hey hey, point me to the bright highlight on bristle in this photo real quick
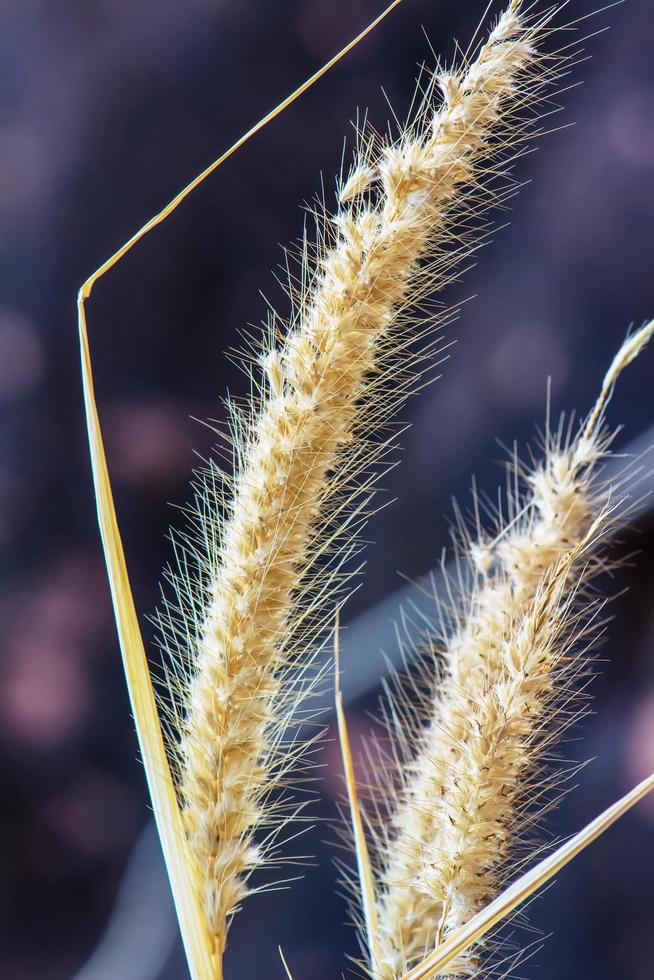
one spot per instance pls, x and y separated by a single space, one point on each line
267 555
513 655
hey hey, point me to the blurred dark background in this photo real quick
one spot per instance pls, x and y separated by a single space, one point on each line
107 107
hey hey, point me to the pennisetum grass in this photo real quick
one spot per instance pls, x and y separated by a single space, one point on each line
505 679
268 543
267 556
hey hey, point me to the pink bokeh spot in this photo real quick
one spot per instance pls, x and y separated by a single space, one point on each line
80 814
518 369
21 356
629 127
52 631
148 443
45 695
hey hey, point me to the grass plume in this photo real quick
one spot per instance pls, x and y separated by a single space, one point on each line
505 680
265 559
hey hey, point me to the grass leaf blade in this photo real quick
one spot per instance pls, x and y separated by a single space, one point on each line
364 866
197 942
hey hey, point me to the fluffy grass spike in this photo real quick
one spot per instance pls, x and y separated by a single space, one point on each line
507 678
266 557
526 886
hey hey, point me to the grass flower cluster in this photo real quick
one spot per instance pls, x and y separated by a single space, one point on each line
511 653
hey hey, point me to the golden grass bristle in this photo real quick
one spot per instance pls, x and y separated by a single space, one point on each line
266 557
287 969
508 675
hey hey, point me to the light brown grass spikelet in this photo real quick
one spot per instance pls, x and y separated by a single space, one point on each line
263 564
509 670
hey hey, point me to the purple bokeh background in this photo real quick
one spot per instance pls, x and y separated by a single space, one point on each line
106 109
